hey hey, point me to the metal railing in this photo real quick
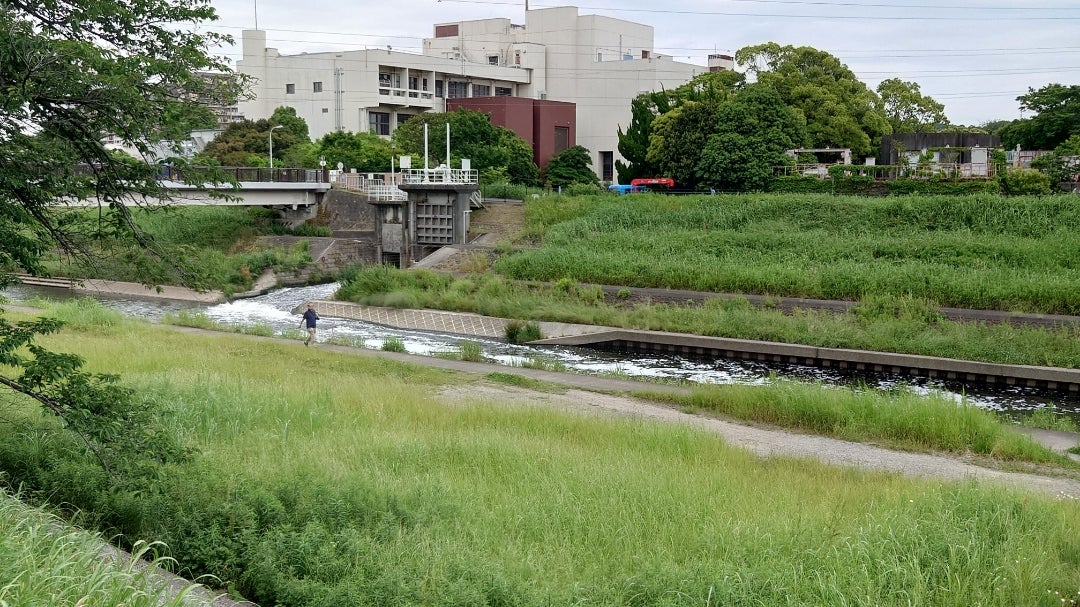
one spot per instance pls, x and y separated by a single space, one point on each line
167 172
893 172
440 175
386 192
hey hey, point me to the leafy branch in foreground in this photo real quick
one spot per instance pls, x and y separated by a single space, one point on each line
113 423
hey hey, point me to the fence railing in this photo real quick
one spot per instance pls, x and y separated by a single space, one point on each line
892 172
440 175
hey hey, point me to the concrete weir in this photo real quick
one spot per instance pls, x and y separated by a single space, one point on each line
626 340
993 374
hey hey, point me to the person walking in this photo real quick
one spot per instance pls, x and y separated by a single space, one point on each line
310 317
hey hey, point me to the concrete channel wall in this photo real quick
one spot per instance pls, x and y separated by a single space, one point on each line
698 346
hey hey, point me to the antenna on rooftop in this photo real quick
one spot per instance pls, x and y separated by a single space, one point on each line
257 13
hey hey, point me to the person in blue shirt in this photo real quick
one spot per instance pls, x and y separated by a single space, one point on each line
309 319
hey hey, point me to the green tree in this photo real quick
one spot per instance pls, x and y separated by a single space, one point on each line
247 143
678 140
472 136
1057 117
755 130
634 142
1063 164
570 166
242 143
290 123
72 73
365 152
840 111
908 110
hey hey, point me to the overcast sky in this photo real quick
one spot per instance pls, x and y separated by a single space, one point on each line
975 57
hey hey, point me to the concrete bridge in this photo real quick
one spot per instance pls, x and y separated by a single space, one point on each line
296 193
293 188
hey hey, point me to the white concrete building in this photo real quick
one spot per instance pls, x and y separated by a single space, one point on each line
598 63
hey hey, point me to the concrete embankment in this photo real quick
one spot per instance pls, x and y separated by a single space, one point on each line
610 338
93 286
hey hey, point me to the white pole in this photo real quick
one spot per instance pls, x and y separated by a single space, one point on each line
425 152
448 146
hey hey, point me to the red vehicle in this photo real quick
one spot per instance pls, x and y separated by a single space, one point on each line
653 181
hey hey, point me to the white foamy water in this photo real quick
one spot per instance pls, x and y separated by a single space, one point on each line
276 310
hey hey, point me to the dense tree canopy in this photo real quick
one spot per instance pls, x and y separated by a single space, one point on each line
472 136
72 73
1057 117
908 110
755 129
840 111
247 143
678 140
634 142
365 152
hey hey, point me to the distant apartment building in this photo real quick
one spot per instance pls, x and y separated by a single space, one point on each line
597 63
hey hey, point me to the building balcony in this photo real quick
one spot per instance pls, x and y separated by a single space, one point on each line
406 97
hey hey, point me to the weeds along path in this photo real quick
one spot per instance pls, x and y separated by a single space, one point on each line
768 442
605 396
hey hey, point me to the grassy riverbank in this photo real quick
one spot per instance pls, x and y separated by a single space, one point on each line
880 323
210 247
985 252
44 563
320 478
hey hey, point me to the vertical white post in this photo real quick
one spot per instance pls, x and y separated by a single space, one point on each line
448 146
425 152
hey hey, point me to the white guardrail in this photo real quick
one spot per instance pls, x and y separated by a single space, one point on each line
439 175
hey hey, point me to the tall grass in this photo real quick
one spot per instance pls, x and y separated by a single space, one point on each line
985 251
331 479
902 420
900 324
206 247
44 563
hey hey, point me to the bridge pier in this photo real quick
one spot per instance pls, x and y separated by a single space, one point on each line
294 215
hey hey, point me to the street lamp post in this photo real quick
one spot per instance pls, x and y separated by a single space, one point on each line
271 135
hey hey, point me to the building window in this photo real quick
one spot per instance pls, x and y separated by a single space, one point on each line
439 88
481 90
425 84
401 118
316 87
607 166
517 58
457 89
384 79
379 122
326 110
503 91
290 89
562 138
446 31
493 60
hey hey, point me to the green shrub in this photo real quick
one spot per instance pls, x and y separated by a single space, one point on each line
471 351
519 332
1022 182
393 344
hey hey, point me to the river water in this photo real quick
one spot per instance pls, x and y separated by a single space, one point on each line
275 310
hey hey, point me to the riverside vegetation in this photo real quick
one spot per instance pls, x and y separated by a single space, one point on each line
42 562
210 247
319 478
898 258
